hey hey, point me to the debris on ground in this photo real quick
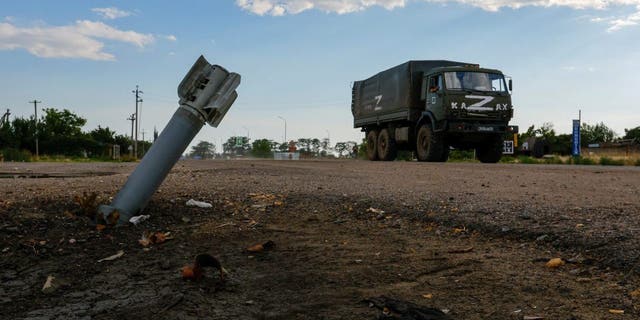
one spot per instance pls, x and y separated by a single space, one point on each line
199 204
52 284
113 257
88 203
616 311
404 310
463 250
137 219
149 238
554 263
269 245
196 271
48 284
375 210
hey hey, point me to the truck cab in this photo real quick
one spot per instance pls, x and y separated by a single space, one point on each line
469 107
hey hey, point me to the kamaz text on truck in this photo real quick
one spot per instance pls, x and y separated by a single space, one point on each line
430 106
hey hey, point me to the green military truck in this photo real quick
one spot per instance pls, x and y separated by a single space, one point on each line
429 106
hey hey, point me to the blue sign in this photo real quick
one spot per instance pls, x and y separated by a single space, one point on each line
575 150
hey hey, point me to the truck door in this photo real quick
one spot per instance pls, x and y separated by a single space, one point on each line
434 94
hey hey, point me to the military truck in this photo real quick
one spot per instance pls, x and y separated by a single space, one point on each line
429 106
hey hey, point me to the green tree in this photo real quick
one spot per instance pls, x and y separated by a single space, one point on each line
60 132
262 148
60 123
598 133
103 135
203 150
236 145
632 133
345 149
23 134
124 142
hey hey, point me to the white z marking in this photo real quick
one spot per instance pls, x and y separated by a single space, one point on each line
378 99
478 106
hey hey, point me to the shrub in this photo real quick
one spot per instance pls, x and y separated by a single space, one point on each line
553 160
461 155
10 154
527 160
637 163
508 159
605 161
582 160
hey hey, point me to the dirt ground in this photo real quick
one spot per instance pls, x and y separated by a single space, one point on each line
472 240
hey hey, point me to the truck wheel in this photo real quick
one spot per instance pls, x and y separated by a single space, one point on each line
429 145
490 152
372 145
387 150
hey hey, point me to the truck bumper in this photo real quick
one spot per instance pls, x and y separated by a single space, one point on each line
488 128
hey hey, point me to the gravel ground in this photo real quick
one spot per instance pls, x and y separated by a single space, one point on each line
470 239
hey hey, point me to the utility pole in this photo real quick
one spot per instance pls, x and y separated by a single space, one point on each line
135 141
143 132
5 117
285 129
35 122
131 118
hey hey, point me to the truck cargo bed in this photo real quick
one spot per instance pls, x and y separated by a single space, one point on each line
393 94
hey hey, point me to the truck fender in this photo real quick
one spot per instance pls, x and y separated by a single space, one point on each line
426 117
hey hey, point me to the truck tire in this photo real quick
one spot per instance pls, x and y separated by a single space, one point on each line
372 145
491 151
429 145
387 150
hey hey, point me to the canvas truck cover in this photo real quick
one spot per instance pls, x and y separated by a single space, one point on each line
393 91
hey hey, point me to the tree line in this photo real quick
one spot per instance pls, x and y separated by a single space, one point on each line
59 132
561 144
242 146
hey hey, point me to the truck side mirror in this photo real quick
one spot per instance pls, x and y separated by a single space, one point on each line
423 91
510 85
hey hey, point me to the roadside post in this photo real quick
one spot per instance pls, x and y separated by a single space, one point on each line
206 93
575 148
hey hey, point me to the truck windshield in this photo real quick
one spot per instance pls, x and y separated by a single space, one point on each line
477 81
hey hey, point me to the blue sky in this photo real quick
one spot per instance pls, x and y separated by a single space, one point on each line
298 58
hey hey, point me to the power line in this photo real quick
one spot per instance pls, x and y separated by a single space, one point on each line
35 122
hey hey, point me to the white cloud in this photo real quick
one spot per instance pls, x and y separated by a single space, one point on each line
284 7
79 40
630 20
171 37
111 13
